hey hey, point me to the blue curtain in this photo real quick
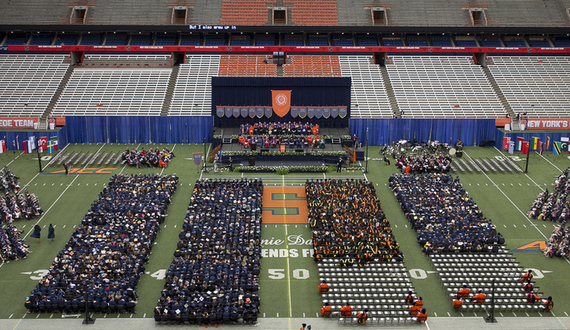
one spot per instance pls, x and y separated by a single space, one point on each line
138 129
384 131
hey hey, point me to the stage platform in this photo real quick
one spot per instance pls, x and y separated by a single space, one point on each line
269 156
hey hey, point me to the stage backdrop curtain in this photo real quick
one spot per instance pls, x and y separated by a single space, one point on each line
256 91
384 131
138 129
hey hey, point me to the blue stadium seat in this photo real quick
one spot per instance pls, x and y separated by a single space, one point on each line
41 40
342 42
66 41
165 41
265 42
90 41
140 41
392 42
440 41
562 42
465 43
15 40
317 41
293 42
215 42
417 43
539 43
490 43
367 42
190 41
240 42
116 40
515 43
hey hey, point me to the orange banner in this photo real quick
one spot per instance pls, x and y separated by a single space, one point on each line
281 102
26 123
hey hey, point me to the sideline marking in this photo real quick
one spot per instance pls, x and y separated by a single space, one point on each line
287 247
549 162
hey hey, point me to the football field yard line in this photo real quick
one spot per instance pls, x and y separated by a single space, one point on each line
549 162
20 154
524 215
504 194
286 247
58 198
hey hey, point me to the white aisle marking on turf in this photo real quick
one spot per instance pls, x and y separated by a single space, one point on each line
287 247
20 154
58 198
53 159
556 167
521 212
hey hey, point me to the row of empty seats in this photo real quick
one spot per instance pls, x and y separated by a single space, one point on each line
28 83
305 12
537 85
246 65
246 12
442 87
368 95
312 65
486 272
113 92
193 90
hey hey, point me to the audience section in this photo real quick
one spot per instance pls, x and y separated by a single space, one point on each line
357 255
443 215
246 12
102 262
214 276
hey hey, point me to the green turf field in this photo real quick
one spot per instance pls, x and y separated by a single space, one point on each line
289 278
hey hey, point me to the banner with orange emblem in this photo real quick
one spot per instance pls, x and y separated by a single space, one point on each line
281 102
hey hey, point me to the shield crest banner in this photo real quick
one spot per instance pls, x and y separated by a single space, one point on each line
228 112
294 112
334 112
326 112
259 112
342 111
318 112
219 111
281 102
236 111
311 112
244 112
268 112
303 112
251 112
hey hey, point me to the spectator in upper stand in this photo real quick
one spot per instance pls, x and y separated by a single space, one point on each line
323 287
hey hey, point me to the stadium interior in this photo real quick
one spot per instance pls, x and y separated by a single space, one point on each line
185 86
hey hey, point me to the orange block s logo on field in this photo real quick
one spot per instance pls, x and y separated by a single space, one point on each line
281 102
